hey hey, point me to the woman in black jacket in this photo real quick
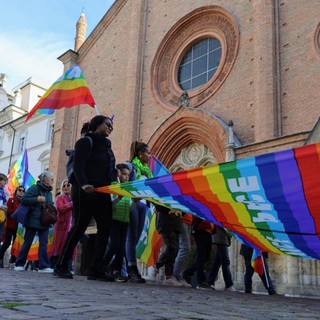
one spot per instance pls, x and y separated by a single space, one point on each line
94 166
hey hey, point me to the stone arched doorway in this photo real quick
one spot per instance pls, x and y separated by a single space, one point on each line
196 129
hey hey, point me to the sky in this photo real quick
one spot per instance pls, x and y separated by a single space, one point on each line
34 33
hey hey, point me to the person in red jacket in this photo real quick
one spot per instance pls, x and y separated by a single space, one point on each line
11 225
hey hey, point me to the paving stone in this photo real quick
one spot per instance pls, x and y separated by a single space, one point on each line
46 297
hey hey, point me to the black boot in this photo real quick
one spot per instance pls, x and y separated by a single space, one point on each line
134 275
1 263
99 274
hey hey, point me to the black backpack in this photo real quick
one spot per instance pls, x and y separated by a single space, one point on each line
69 165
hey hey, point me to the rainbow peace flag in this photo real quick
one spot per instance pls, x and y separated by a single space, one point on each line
157 168
271 201
19 175
256 262
69 90
150 242
33 252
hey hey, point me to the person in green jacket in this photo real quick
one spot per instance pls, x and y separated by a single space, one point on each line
34 197
121 207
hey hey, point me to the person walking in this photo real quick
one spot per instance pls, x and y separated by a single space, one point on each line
246 252
184 248
139 159
121 207
63 225
3 202
34 199
94 166
202 231
11 225
169 227
222 241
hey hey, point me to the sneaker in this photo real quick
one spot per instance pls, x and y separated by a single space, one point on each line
45 270
135 276
11 266
19 268
184 283
172 282
272 292
119 278
212 286
231 289
203 285
62 273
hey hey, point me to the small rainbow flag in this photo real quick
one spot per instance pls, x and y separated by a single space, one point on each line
157 168
150 241
19 175
256 262
69 90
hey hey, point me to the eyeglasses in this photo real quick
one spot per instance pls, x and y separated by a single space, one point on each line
66 185
21 190
110 126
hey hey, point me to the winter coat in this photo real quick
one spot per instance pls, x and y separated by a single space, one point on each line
97 169
12 204
221 236
30 198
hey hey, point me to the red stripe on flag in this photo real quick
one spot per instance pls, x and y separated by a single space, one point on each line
309 165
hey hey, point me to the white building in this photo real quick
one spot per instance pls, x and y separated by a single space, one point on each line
16 135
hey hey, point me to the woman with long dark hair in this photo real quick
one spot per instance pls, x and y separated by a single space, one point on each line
94 166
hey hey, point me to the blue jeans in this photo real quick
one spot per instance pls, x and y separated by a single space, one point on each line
184 249
42 251
136 224
221 258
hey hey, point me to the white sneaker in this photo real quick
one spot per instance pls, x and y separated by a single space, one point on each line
45 270
185 283
172 282
231 289
18 269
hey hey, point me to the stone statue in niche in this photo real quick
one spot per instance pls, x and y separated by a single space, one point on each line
184 100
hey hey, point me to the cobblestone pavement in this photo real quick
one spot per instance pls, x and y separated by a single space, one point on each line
32 295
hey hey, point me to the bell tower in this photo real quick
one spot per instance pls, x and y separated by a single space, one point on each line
81 32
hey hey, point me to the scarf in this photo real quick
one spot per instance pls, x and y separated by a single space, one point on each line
142 169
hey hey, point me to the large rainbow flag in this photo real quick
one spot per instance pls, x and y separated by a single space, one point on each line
272 200
69 90
19 175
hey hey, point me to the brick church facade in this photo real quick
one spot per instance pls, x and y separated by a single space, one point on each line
251 69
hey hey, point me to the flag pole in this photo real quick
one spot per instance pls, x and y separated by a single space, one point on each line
97 109
265 271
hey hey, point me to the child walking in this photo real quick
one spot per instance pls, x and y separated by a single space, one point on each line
121 207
